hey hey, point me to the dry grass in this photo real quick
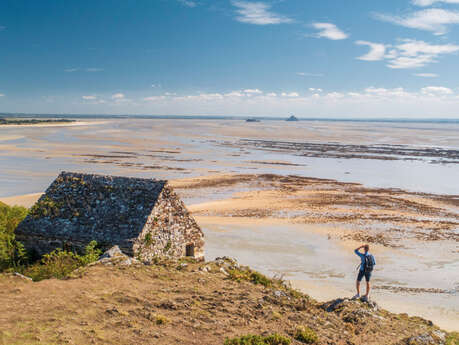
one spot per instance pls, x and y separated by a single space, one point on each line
162 304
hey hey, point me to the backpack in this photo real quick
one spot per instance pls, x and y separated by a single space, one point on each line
369 263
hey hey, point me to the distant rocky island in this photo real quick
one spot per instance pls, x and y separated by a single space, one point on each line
252 120
15 121
292 118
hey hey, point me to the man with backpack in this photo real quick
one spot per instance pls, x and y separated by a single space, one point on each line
366 267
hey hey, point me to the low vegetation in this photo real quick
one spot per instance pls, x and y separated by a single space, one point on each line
12 253
306 335
13 257
453 338
240 274
60 263
250 339
161 319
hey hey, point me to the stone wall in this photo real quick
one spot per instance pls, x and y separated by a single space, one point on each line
169 229
78 208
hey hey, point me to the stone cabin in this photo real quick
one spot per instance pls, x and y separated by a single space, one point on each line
144 217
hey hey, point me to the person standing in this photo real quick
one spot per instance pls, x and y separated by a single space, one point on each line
367 263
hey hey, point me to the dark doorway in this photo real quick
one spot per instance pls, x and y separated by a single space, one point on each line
190 250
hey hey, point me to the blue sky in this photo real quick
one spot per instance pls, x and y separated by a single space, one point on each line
392 58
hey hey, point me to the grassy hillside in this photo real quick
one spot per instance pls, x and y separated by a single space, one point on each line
191 303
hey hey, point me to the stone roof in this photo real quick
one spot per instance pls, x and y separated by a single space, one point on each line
83 207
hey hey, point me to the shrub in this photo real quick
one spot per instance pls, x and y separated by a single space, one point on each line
59 263
250 339
12 253
249 275
306 335
452 338
161 319
91 253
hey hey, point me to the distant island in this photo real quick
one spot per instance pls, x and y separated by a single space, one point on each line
252 120
5 121
292 118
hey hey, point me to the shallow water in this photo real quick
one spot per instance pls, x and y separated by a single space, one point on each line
30 157
325 269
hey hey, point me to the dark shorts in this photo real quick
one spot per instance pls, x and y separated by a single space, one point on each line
366 274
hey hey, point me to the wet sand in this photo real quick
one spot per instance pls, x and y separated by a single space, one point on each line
31 156
284 225
276 209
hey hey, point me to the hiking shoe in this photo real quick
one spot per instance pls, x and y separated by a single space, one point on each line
364 299
356 297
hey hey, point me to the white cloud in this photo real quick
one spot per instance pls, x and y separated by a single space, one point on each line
374 101
118 96
413 53
376 53
330 31
426 75
407 53
290 94
202 97
307 74
258 13
2 95
383 92
234 94
425 3
312 89
435 20
334 95
436 91
89 97
70 70
188 3
253 91
154 98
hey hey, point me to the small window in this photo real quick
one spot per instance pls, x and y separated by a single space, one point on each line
190 250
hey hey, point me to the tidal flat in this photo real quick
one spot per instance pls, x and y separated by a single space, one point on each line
286 198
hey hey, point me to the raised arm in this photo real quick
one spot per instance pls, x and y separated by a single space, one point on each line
357 251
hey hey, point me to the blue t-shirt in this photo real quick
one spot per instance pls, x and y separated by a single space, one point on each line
362 259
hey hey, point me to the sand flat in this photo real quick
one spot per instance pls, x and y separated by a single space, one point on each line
26 200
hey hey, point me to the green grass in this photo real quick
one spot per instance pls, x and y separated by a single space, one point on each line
250 339
240 274
452 338
59 263
12 252
306 335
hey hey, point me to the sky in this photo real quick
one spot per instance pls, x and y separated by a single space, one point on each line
327 58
